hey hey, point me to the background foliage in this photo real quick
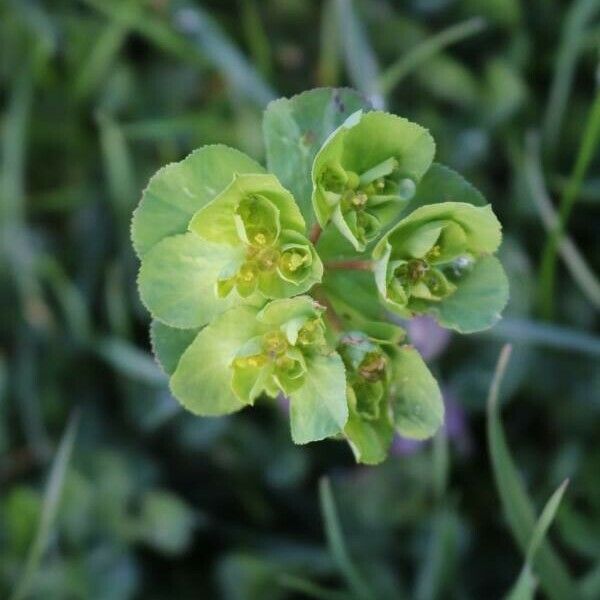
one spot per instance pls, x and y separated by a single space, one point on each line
140 499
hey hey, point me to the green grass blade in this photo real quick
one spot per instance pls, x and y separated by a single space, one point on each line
337 545
517 506
128 360
361 62
118 166
257 38
587 150
308 589
330 45
580 14
154 29
525 585
207 36
439 565
52 497
395 73
104 52
580 271
545 520
545 335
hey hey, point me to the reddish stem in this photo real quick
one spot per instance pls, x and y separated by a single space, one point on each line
350 265
334 319
315 233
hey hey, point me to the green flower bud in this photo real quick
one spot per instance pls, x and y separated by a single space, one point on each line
366 171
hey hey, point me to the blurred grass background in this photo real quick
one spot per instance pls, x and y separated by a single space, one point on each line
143 500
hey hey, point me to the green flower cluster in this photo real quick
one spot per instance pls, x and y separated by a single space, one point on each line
249 301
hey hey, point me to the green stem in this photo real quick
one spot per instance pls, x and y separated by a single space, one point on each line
584 157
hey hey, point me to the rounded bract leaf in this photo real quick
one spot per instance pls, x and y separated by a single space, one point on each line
169 343
479 299
178 276
442 184
178 190
294 130
369 439
483 231
202 380
416 399
319 409
217 220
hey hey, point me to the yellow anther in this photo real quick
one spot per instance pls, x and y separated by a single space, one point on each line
292 261
380 184
359 199
260 239
275 343
247 273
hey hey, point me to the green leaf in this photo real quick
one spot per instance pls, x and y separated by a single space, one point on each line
216 221
294 130
177 191
318 409
369 439
479 299
202 380
168 344
442 184
415 396
517 506
178 276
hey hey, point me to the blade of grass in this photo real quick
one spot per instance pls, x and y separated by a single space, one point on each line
590 583
207 36
554 337
309 589
525 585
337 545
257 38
330 44
516 504
439 564
574 261
154 29
396 72
589 143
106 48
118 168
577 19
50 506
360 59
129 361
